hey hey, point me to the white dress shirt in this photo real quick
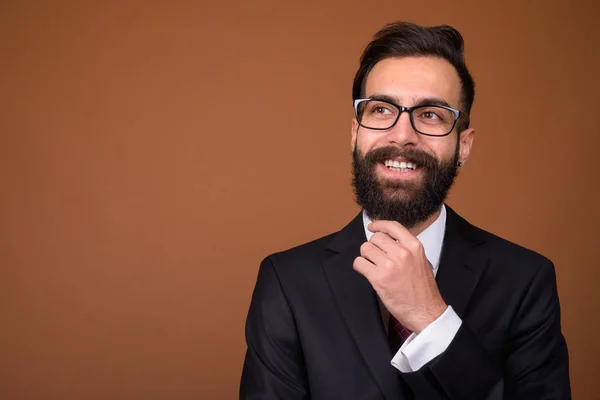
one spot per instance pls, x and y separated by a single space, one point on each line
419 349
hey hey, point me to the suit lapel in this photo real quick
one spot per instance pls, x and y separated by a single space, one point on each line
358 304
461 265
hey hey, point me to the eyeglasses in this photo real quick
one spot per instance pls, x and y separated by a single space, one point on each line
429 120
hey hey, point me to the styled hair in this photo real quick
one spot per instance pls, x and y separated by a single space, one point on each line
406 39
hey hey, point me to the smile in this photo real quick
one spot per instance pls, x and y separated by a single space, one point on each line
399 166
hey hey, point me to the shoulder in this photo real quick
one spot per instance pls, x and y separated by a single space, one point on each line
351 235
505 257
301 255
296 271
497 246
504 249
306 260
506 271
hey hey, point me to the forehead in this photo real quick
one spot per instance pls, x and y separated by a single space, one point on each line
411 78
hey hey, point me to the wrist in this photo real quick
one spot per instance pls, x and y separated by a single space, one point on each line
431 314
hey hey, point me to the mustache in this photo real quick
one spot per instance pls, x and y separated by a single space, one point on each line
419 157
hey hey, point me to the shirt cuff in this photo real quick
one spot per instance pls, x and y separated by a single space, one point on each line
418 350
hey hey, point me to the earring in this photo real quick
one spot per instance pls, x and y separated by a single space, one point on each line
459 164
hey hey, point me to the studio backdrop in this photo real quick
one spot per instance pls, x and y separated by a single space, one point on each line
152 153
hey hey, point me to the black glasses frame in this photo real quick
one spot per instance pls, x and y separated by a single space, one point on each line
457 115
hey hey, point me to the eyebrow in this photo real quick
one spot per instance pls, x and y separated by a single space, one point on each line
432 101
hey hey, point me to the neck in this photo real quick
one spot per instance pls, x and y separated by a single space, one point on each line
420 227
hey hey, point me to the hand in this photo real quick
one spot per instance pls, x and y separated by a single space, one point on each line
394 262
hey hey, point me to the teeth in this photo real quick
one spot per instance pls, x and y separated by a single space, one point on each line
399 165
399 169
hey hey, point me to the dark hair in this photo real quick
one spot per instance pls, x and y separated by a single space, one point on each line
404 39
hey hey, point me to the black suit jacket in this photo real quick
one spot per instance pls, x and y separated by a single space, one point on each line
314 329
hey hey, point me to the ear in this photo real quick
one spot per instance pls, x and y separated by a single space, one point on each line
354 133
466 142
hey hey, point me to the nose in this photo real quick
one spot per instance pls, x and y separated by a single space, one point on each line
403 134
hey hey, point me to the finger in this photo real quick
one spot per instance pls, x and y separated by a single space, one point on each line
363 266
384 241
394 229
373 253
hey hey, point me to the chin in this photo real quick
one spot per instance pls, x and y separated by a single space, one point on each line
399 194
401 189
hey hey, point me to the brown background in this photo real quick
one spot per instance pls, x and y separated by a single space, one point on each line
153 153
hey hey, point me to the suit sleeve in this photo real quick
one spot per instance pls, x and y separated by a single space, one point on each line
274 364
535 366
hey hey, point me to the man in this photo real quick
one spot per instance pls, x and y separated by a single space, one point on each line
408 301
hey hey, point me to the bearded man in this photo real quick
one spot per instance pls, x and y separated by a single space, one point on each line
409 300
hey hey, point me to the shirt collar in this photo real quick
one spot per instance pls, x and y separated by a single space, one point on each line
431 238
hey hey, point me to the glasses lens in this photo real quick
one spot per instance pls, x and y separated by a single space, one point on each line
433 120
376 114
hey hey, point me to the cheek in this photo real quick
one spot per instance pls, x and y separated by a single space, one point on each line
442 148
367 141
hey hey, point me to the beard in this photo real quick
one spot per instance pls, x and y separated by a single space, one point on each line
408 203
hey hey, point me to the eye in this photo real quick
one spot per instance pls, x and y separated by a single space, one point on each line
379 109
429 115
433 115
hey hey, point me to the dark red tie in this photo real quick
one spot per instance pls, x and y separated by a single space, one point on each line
397 334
